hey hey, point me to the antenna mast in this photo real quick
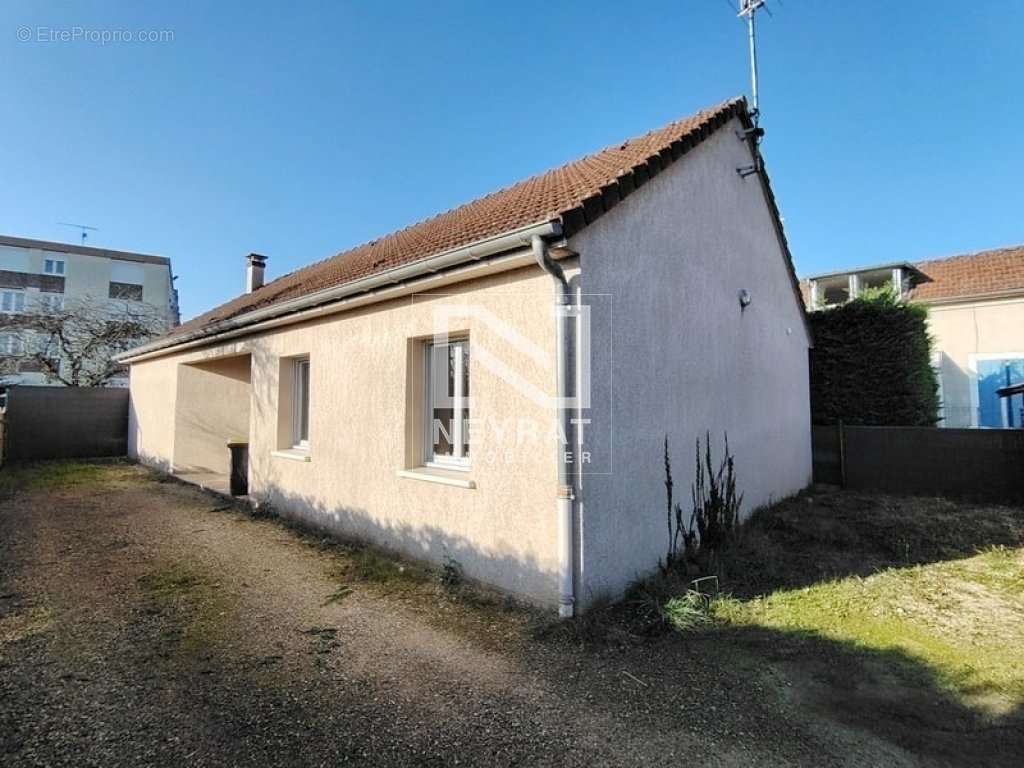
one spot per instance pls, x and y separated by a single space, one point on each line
82 227
748 10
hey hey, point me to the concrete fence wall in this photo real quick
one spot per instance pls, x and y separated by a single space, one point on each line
65 423
974 463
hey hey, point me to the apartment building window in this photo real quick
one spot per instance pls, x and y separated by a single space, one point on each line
51 302
53 266
12 301
300 404
45 345
125 291
447 407
11 345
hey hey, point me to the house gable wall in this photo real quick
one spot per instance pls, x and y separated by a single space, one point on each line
673 354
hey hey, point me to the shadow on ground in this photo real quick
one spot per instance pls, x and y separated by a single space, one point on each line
796 696
816 537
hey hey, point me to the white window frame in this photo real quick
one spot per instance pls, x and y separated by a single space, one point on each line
299 365
12 345
16 305
457 460
52 302
58 267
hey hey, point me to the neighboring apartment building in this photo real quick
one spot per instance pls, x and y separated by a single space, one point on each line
496 384
976 317
44 276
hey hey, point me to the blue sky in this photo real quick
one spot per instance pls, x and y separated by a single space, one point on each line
299 129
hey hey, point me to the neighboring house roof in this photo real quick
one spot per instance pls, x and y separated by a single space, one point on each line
854 270
973 274
572 196
86 250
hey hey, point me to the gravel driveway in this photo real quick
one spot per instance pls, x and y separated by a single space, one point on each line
142 623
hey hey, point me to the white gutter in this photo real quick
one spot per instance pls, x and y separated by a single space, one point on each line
234 326
564 497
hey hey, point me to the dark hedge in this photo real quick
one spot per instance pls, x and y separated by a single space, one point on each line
871 364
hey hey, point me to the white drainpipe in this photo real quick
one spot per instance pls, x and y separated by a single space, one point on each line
565 496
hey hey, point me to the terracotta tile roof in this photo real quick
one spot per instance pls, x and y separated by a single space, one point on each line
574 194
973 274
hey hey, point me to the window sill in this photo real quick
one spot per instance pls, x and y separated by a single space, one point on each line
453 478
292 454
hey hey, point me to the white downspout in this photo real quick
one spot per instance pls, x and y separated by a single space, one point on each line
565 496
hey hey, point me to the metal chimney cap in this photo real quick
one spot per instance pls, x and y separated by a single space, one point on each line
256 258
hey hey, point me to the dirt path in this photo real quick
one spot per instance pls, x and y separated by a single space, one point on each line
141 625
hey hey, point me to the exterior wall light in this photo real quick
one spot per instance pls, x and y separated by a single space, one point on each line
744 298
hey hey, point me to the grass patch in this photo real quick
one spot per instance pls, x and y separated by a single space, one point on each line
60 475
367 565
192 602
964 619
18 625
689 610
929 592
932 580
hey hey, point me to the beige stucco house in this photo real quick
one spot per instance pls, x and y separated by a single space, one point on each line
975 316
495 384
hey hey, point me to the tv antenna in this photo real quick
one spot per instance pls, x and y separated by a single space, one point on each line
748 10
85 229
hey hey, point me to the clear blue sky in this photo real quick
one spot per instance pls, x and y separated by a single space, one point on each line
299 129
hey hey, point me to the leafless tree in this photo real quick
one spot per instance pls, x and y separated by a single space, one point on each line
75 345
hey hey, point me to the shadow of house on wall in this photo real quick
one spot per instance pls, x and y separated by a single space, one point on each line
503 567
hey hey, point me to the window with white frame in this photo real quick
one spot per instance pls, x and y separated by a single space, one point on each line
11 344
51 302
300 404
12 301
53 266
447 406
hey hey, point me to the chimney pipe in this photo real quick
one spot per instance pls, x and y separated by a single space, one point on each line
255 266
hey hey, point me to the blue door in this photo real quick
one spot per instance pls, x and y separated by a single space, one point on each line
993 374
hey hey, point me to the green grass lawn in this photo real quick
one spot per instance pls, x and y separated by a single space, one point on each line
939 582
962 618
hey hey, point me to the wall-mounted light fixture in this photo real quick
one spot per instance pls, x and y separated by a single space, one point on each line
745 298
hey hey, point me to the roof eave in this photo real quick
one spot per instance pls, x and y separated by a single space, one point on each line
870 268
968 298
476 251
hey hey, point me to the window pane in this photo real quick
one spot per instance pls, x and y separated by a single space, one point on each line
126 291
442 387
448 409
465 395
60 267
304 400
